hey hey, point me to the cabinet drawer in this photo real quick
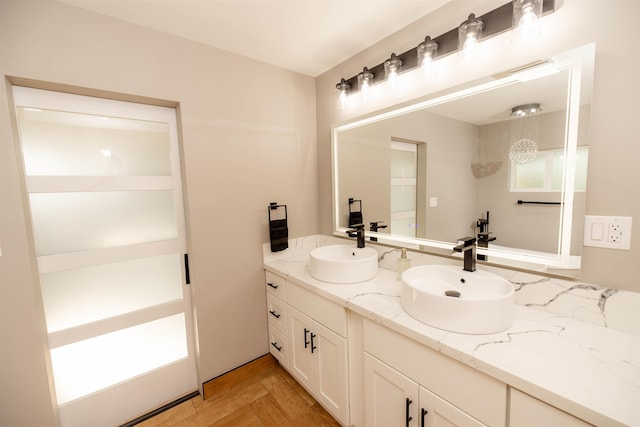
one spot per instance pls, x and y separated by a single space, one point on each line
279 346
277 313
328 313
275 284
481 396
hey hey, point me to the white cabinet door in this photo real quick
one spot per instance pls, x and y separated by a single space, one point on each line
330 370
318 360
300 356
526 411
391 399
436 412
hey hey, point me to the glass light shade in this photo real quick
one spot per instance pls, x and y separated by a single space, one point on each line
469 35
392 69
526 20
365 79
427 51
343 88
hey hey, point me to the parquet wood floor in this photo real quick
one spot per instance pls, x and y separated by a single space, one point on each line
260 393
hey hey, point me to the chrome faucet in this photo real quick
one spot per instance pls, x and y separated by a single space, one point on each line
357 231
468 246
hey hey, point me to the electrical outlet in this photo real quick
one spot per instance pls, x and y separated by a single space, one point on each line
615 233
612 232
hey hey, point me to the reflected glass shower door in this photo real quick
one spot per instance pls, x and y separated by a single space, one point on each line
105 194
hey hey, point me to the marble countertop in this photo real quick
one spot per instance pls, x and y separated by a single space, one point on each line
590 371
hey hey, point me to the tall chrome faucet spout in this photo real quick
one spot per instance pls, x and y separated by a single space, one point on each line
467 245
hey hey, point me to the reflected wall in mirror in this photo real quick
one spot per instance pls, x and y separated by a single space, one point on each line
435 171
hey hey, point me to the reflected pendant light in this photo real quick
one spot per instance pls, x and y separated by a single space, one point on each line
524 148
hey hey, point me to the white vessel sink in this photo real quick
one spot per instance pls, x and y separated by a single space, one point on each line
343 264
449 298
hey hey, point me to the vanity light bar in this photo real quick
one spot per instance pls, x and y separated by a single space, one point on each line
495 22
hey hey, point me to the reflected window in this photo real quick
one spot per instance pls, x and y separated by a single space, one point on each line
544 173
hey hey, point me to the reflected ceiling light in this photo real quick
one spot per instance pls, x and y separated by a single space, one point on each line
365 79
524 127
526 20
469 35
343 88
426 54
392 69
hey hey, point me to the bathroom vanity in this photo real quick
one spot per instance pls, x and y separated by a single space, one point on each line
369 363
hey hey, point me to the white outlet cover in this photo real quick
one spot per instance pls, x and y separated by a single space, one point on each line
613 232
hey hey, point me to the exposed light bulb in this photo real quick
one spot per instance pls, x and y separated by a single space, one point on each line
364 89
471 48
469 35
342 100
528 17
426 55
364 82
392 70
392 79
426 63
343 95
526 22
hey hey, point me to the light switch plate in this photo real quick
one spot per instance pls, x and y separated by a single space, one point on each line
612 232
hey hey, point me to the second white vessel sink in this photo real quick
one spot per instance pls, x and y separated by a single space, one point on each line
449 298
343 263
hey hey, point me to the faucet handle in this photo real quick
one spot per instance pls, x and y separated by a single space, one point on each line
466 241
355 230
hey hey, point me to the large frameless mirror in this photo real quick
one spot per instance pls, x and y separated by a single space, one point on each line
503 159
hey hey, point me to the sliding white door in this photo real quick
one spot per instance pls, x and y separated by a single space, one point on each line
103 182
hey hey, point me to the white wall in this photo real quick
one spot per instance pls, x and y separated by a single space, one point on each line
249 138
613 176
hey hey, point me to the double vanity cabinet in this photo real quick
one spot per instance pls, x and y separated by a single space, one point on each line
308 336
367 374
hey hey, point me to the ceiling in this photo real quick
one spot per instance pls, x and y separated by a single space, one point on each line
305 36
